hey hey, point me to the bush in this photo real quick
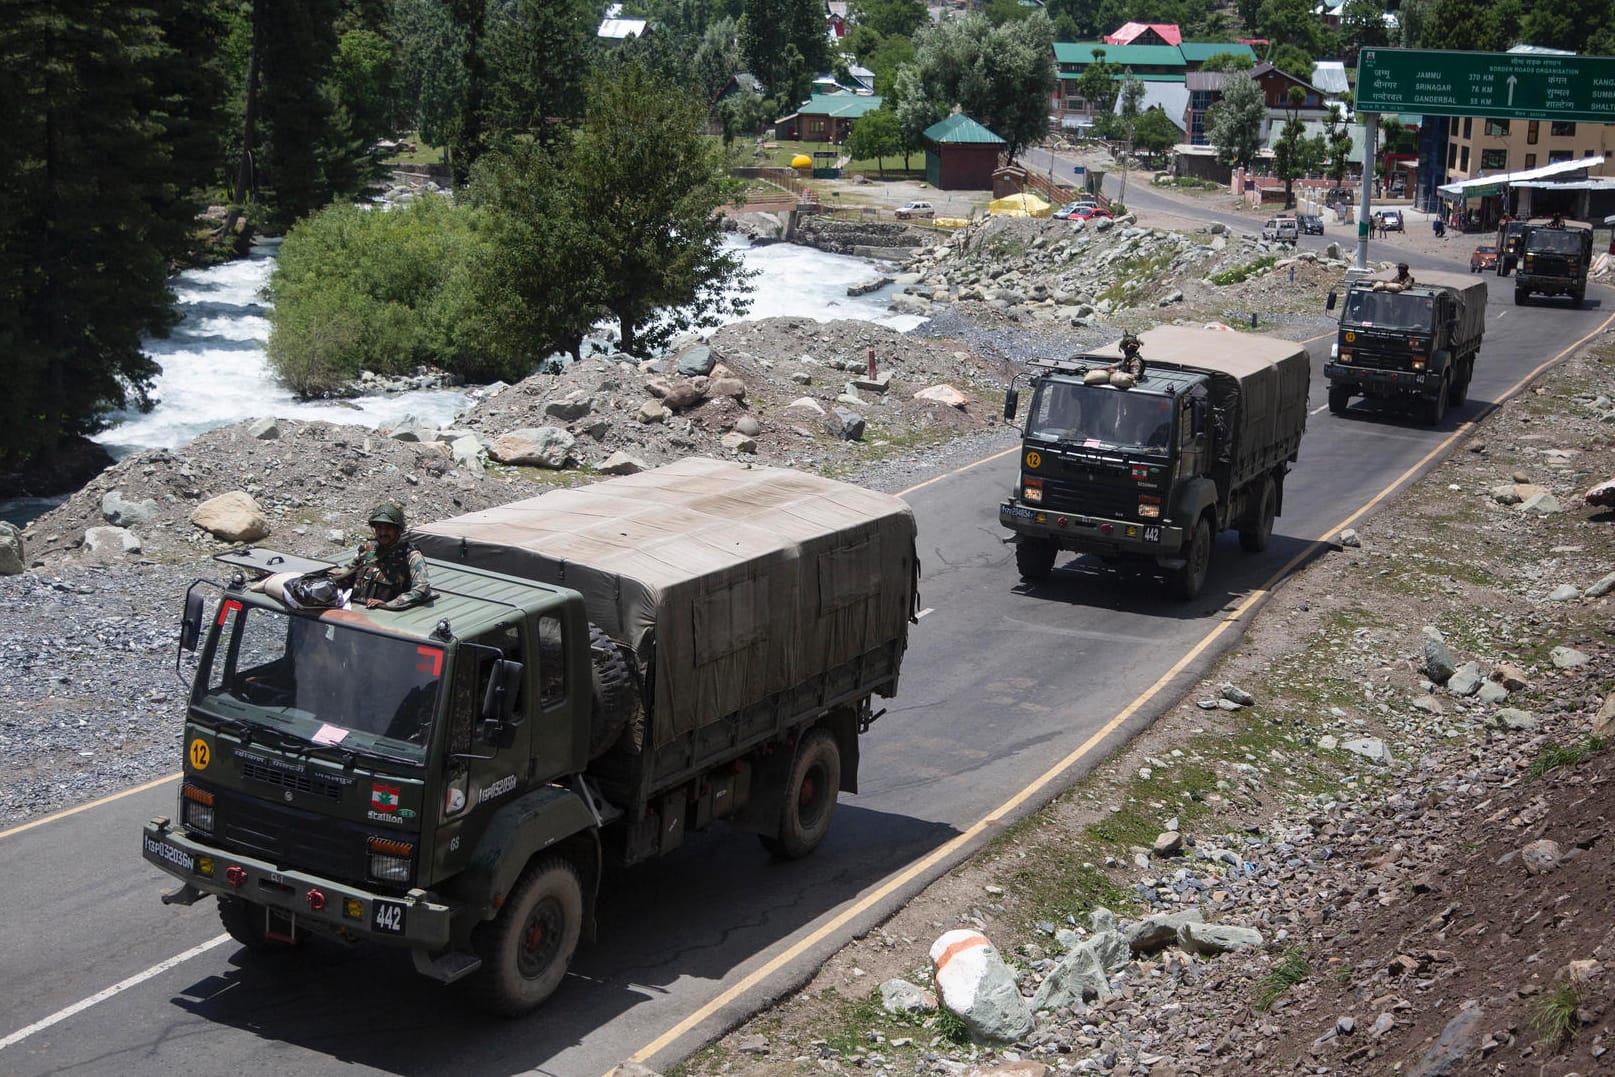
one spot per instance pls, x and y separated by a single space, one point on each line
359 290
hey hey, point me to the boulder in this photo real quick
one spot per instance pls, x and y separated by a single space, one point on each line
806 403
120 511
686 394
540 446
845 424
1370 748
11 553
264 429
1438 663
621 463
748 425
1465 680
233 517
103 542
1154 932
1541 856
1078 977
696 360
975 985
652 411
1167 843
731 387
1602 494
1566 658
571 407
1601 588
735 441
943 394
900 996
1510 676
1565 592
1603 721
1514 718
1492 692
1543 504
467 452
1208 939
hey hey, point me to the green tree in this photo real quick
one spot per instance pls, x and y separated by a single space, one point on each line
1293 60
717 58
1228 61
98 196
1001 76
647 182
1458 24
1098 86
1362 26
915 107
1292 22
1129 100
430 63
536 54
1584 26
1337 145
785 44
892 53
889 18
1289 154
876 135
1155 133
1236 121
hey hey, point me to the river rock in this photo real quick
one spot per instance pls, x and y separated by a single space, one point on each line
976 986
696 360
1438 662
900 996
11 554
101 542
232 516
652 411
120 511
265 429
748 425
1566 658
540 446
1154 932
622 463
1465 680
845 424
1208 939
574 405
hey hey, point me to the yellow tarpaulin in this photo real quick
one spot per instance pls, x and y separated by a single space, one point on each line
1020 205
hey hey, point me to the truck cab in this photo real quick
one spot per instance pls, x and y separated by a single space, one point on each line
1554 260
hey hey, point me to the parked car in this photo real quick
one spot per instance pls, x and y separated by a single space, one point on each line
915 210
1484 260
1388 219
1069 208
1311 224
1281 229
1088 213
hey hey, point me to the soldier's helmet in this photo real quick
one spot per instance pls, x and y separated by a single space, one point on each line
387 513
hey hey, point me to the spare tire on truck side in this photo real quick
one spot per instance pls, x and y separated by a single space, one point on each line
615 696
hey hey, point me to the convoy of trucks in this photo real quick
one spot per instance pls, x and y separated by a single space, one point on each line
1413 343
1146 453
601 670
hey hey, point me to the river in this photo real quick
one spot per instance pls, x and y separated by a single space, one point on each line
215 372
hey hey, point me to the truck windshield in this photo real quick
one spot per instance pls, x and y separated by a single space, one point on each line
329 684
1101 415
1554 240
1390 310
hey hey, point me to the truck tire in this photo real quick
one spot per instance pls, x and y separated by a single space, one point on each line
247 924
1034 557
1187 581
1578 297
1458 391
810 797
1521 295
615 703
1254 538
1435 409
528 947
1339 399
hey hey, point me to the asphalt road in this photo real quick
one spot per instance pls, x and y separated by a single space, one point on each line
1002 682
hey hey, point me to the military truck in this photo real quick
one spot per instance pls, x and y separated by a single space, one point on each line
1146 452
1415 344
600 671
1554 260
1508 245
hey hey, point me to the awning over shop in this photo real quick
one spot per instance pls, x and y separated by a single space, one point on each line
1481 186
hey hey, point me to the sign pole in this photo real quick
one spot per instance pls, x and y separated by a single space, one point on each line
1365 203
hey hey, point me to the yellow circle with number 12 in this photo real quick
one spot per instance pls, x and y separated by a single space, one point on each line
1034 459
200 754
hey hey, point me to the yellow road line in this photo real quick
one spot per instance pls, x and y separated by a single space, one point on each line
891 883
154 783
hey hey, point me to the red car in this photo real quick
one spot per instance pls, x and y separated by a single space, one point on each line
1085 213
1484 260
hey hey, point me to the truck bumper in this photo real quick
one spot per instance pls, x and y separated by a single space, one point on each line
1546 285
307 900
1372 382
1092 534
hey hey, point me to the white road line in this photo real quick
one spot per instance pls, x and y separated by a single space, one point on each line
117 988
923 612
1315 411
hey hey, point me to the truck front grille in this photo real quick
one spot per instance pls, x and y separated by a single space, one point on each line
293 838
308 782
1089 488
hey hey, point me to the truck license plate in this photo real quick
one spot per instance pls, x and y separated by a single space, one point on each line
387 917
1152 534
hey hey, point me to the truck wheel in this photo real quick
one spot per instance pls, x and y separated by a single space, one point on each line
614 704
1339 399
1254 539
1188 580
810 797
1521 295
527 948
248 924
1436 409
1034 557
1578 297
1458 391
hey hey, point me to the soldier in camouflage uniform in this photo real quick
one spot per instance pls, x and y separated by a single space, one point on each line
387 572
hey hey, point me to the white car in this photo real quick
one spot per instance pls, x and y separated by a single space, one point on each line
913 210
1281 229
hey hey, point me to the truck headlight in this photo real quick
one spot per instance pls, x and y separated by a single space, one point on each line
1344 356
1149 507
391 861
1418 362
196 808
1032 491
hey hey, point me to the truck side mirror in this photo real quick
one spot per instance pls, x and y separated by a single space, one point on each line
1012 402
190 625
1329 304
499 704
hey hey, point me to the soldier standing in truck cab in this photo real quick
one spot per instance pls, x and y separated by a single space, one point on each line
387 571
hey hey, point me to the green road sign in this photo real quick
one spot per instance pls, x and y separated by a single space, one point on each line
1502 84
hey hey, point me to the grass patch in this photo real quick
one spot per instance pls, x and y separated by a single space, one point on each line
1241 274
1553 1016
1554 755
1187 183
949 1027
1136 277
1291 968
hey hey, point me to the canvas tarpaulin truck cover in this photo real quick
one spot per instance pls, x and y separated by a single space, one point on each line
730 583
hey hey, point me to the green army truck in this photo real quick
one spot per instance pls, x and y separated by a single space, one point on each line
1148 456
1509 234
1554 260
1414 344
600 670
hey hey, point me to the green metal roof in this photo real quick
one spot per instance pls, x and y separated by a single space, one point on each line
1178 78
1197 52
844 105
1082 53
960 128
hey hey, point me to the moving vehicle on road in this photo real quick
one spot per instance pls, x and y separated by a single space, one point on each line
1509 234
1281 229
1145 450
915 211
599 671
1389 219
1415 344
1554 260
1483 259
1311 224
